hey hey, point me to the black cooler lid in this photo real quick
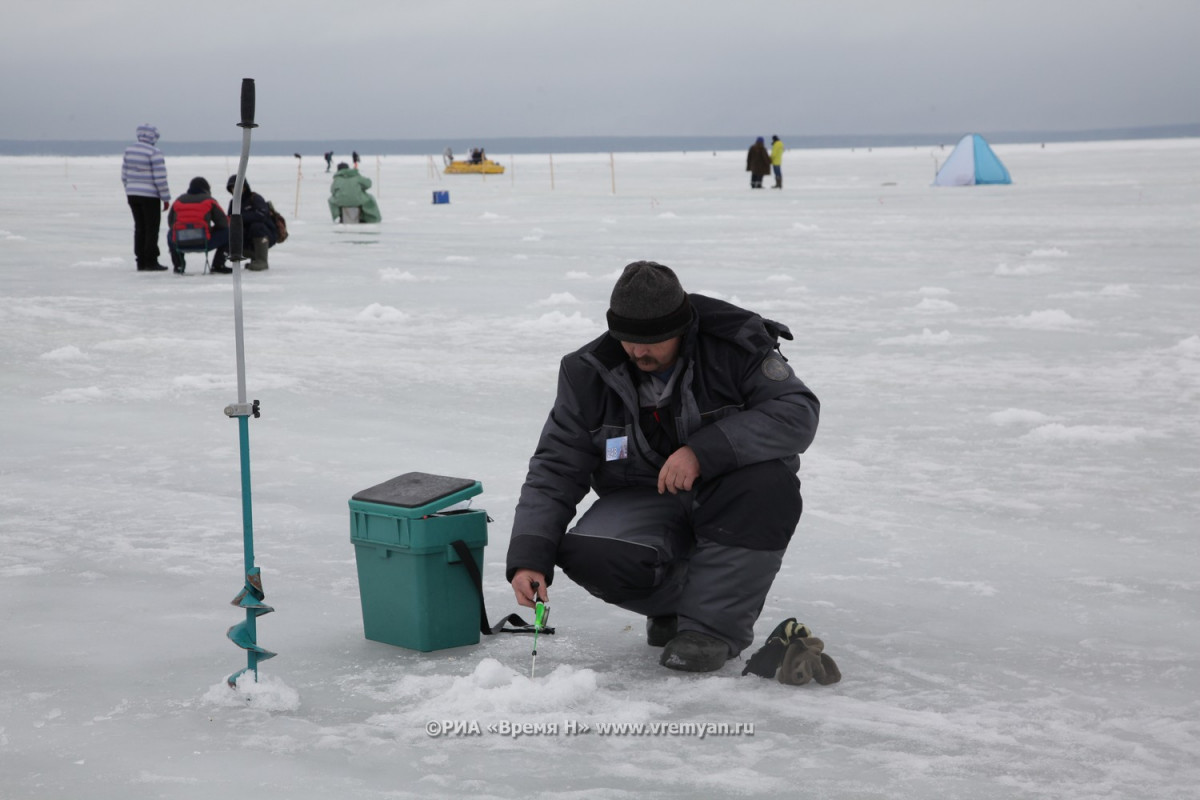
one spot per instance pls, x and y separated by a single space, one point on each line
415 489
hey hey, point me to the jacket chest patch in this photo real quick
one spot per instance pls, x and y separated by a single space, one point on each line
616 448
775 368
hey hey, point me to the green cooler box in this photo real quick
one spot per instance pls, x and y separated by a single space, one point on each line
415 590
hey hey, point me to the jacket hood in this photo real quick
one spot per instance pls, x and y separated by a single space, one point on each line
147 133
229 184
198 186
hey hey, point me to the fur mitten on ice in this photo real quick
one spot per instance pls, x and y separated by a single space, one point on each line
805 660
766 661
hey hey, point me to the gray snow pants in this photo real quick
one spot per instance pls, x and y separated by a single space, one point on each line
709 555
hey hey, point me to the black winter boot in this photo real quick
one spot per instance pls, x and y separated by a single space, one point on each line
258 254
218 264
660 630
692 651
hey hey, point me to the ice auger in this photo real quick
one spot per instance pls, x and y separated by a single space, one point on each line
244 634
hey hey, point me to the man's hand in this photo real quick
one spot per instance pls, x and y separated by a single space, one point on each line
522 584
166 205
680 472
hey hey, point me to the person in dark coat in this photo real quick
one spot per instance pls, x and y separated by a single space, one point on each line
259 233
758 163
687 422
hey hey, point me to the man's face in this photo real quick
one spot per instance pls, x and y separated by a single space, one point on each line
653 357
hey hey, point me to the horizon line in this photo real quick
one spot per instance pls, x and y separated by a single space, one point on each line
1193 126
582 143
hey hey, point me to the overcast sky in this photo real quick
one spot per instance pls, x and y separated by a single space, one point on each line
401 69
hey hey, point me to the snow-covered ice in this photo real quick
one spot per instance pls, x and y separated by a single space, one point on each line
999 540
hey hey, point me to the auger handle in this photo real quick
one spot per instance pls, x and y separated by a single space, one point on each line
247 104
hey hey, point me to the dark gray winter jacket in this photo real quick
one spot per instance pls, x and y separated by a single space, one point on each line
737 403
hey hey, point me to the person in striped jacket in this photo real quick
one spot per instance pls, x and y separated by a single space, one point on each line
144 173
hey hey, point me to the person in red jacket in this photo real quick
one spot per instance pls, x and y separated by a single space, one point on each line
196 222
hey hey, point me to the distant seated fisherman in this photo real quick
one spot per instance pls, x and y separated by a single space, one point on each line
349 190
196 223
687 422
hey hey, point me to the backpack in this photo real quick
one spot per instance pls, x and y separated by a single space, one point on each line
280 223
190 228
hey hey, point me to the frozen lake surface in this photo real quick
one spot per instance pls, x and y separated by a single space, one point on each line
999 541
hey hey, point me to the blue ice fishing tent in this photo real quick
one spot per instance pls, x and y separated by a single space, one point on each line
971 162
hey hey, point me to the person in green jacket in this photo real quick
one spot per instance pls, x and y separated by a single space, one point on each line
350 189
777 161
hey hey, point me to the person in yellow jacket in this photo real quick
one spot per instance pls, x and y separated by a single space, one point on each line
777 161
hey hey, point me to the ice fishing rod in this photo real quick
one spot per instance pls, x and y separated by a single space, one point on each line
541 613
244 634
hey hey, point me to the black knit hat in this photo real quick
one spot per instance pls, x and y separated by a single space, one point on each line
198 186
648 305
229 184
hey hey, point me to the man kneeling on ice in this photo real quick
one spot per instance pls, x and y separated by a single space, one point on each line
687 422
